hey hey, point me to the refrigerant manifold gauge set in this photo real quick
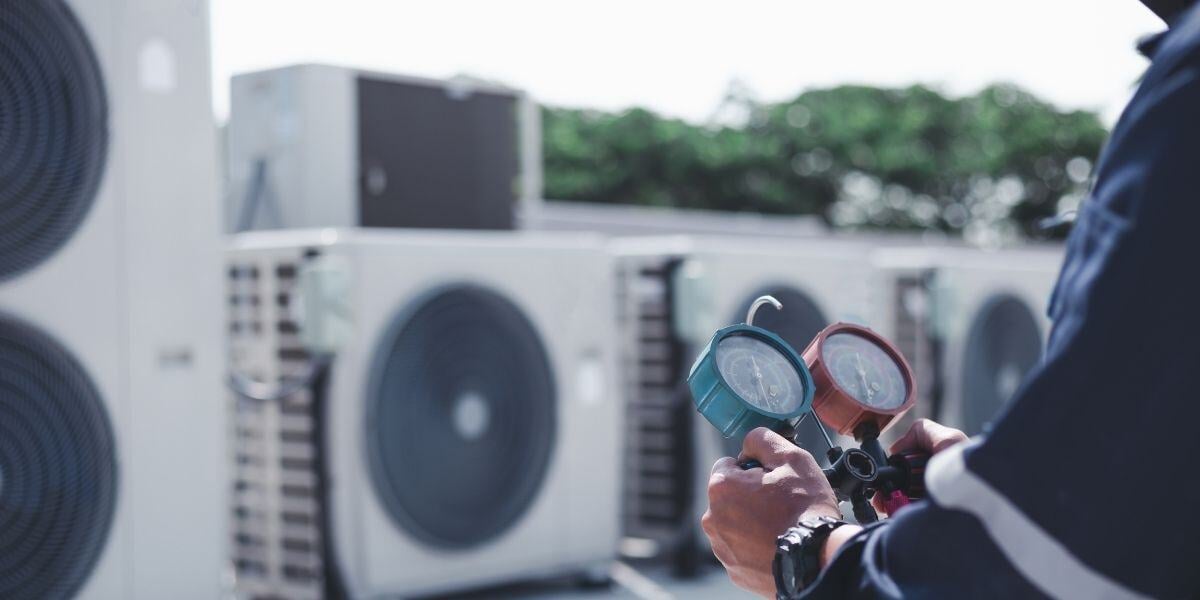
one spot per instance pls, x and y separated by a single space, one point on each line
855 381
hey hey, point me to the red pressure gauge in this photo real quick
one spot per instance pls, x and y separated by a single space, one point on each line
860 377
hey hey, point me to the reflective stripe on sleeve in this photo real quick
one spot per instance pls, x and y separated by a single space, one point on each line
1043 560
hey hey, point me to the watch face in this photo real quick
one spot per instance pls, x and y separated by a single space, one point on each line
865 371
760 374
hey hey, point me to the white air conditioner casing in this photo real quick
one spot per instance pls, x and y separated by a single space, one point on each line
937 299
712 282
905 278
835 275
132 296
1011 287
350 296
344 147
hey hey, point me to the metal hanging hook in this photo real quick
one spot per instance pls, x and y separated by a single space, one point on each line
761 300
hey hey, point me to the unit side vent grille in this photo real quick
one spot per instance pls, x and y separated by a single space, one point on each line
276 498
913 334
656 464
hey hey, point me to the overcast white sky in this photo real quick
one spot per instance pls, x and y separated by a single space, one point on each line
678 57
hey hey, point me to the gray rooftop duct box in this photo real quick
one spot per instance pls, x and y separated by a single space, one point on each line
323 146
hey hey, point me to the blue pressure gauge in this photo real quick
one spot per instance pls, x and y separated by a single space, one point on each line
748 377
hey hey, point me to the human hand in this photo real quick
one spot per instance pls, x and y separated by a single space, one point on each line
927 436
924 436
749 509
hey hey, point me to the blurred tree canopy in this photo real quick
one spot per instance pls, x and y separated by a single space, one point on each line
987 166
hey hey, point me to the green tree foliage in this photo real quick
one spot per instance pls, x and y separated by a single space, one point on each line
989 165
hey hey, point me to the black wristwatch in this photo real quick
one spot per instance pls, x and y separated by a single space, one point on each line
798 555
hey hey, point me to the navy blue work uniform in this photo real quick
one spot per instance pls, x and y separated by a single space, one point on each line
1087 486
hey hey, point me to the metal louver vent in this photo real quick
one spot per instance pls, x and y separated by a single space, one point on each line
58 470
913 334
53 131
657 440
462 377
1003 345
278 508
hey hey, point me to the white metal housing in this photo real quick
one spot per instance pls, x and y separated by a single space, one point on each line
836 274
344 297
968 283
714 279
134 296
935 296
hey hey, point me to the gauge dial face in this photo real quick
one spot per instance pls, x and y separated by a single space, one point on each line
865 371
760 374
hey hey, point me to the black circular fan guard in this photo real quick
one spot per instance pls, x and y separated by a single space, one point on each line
461 417
1003 344
53 131
798 323
58 472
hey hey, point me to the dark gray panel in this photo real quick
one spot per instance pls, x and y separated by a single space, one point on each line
427 159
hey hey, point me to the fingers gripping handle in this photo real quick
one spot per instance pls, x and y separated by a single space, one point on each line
912 464
786 430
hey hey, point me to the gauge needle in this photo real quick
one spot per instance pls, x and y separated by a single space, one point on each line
862 377
758 377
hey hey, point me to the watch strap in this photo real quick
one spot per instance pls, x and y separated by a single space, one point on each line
798 555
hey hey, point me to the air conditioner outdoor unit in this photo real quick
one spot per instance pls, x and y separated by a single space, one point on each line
711 283
325 146
990 313
972 322
110 309
905 282
444 415
818 282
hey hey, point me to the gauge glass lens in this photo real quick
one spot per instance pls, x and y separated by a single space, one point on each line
865 371
760 374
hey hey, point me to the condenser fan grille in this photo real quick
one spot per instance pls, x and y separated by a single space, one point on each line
58 472
798 323
461 417
1003 344
53 130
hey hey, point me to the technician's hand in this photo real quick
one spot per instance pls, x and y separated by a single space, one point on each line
923 436
749 509
927 436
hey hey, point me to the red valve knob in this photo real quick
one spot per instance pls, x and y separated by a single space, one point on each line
913 464
894 502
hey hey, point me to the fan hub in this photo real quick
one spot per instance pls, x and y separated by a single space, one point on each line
472 415
1008 379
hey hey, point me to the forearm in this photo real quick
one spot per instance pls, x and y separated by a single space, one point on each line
836 539
924 551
